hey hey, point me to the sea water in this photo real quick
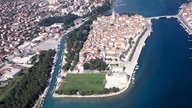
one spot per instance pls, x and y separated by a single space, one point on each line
164 77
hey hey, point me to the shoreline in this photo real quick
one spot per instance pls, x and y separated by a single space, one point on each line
130 71
183 23
91 96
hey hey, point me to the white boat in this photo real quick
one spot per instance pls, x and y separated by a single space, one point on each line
133 80
136 67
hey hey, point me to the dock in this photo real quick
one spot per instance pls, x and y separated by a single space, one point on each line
163 16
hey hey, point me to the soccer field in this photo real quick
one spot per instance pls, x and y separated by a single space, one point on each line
85 84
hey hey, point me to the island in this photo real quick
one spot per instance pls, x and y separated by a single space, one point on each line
101 49
108 58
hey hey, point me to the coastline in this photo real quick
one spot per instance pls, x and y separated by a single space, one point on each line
91 96
183 23
130 65
136 95
130 68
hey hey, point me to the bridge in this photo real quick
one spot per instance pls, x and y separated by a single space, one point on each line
164 16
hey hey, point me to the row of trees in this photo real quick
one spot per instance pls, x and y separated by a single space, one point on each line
136 44
76 38
67 20
33 83
97 63
74 42
74 91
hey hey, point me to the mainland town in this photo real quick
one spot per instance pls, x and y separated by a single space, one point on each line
22 37
101 51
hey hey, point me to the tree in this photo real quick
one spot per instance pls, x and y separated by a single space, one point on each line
23 94
86 66
76 58
66 66
67 20
97 63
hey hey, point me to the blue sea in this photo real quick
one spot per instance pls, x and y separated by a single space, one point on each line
164 77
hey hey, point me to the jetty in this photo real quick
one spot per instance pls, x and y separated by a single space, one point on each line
180 19
163 16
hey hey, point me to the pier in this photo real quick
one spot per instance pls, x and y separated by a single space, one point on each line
182 21
164 16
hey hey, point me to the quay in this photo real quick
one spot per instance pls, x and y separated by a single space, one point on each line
164 16
180 19
184 24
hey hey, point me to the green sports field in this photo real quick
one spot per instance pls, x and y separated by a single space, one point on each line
85 84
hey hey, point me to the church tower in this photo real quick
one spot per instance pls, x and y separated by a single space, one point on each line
113 16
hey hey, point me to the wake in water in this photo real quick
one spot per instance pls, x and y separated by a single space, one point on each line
119 3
